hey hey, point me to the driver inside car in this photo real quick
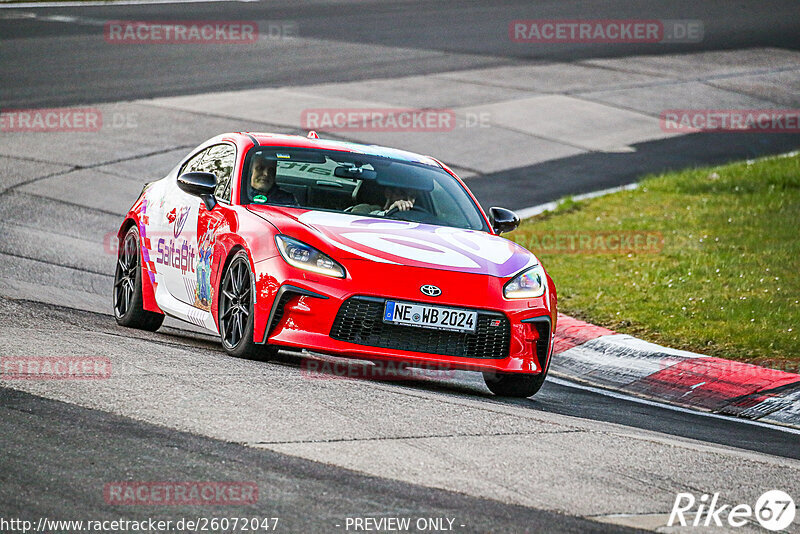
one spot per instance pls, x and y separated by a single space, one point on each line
396 199
262 182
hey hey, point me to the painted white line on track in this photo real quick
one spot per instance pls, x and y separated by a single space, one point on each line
62 19
622 396
524 213
28 5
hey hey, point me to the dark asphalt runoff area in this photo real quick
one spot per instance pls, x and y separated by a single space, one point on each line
45 61
56 457
419 37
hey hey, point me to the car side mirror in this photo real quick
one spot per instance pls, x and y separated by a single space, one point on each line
200 184
503 220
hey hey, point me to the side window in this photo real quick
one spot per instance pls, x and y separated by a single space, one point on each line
217 159
220 160
193 165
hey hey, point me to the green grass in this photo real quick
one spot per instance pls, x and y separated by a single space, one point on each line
726 281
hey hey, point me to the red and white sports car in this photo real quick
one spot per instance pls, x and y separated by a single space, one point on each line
280 241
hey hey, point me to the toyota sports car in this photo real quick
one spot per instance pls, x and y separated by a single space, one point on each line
281 241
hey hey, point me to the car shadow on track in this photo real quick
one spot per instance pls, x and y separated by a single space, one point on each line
315 366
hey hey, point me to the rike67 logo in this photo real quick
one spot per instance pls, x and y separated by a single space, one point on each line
774 510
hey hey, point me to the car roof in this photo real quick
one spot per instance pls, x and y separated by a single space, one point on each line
298 141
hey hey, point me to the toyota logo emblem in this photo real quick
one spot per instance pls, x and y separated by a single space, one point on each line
431 291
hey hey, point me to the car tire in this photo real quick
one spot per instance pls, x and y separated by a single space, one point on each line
517 385
127 292
235 311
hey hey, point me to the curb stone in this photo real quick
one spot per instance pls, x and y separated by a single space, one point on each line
601 357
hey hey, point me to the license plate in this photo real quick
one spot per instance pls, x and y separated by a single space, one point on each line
425 316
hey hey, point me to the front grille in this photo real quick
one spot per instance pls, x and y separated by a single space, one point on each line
360 321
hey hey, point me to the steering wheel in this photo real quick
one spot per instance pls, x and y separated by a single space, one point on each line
422 215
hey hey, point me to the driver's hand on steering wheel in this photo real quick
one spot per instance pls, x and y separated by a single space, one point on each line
401 205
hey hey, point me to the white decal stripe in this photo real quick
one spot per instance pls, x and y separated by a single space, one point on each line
359 253
196 317
191 290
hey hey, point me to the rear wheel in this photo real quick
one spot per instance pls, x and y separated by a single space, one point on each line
128 301
513 384
236 312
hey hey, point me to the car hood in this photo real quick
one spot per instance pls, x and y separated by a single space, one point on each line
407 243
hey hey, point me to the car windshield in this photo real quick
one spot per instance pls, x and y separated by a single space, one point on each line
359 184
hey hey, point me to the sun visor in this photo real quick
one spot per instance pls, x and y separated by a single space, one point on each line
406 177
298 156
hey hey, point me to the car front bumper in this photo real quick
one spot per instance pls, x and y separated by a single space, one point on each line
343 317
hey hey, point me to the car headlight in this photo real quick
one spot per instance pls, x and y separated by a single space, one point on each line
298 254
528 284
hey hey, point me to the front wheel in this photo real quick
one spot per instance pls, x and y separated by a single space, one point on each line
513 384
128 302
236 311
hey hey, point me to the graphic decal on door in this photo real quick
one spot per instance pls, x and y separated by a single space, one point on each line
203 291
180 221
148 264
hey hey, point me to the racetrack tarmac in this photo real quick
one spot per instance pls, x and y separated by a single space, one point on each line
566 451
88 449
322 449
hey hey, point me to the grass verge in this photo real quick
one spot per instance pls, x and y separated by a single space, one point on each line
715 268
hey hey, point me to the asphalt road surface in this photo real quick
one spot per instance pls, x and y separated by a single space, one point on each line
88 449
176 408
58 456
57 57
48 60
